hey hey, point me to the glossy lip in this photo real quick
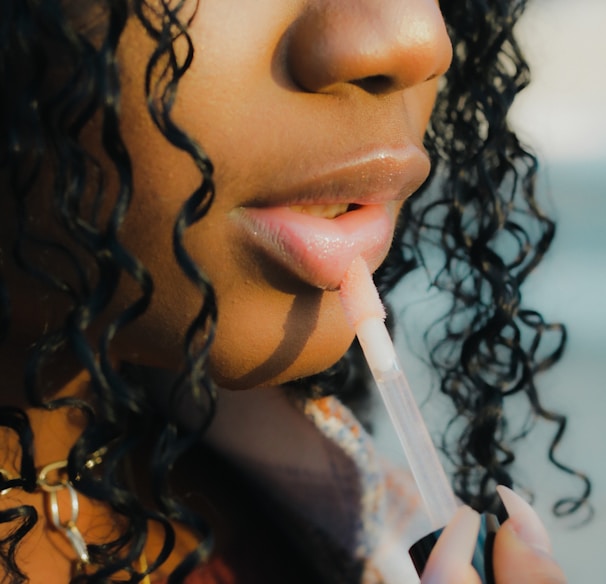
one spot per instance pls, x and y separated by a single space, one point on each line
380 176
319 250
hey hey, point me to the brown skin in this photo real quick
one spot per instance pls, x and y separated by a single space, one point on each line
268 82
278 92
261 126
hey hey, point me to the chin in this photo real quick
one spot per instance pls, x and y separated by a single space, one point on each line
318 355
266 337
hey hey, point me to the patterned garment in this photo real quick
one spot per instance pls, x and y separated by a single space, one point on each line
353 514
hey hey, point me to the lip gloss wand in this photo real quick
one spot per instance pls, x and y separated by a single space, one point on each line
366 314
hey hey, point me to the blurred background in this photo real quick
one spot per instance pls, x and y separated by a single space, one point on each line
563 116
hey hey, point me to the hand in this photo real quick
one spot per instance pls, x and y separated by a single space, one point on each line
522 551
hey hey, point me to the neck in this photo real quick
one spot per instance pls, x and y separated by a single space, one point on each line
54 431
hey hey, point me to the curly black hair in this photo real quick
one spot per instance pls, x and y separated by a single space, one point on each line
488 345
41 122
482 218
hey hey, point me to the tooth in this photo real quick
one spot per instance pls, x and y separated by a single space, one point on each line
326 211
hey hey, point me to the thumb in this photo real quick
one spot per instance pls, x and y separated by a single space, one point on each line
522 550
450 559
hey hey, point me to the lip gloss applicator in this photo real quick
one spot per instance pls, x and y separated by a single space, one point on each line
366 314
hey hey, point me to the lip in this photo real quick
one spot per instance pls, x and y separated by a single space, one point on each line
379 176
319 250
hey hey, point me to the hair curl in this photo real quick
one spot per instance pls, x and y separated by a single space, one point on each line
488 347
483 218
41 122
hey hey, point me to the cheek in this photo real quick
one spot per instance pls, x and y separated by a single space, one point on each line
422 100
264 335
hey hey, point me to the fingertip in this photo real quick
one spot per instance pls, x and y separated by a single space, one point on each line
524 520
522 550
517 562
450 560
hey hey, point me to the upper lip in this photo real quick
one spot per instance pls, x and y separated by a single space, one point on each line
377 176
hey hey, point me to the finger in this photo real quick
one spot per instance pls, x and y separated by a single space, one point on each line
450 560
522 550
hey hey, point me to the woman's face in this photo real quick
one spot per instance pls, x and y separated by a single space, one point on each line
313 114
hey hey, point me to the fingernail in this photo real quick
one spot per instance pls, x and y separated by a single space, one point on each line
524 520
455 547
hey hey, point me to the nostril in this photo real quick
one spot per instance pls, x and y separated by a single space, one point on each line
374 84
379 47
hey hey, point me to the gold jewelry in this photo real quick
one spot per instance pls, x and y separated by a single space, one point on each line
69 527
51 488
52 479
7 477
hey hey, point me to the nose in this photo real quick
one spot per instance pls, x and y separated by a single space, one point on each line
379 45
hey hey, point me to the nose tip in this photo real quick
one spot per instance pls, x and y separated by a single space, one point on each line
379 45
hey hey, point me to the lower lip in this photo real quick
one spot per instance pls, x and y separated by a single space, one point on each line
318 250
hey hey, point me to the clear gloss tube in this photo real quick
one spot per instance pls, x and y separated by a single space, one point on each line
434 487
